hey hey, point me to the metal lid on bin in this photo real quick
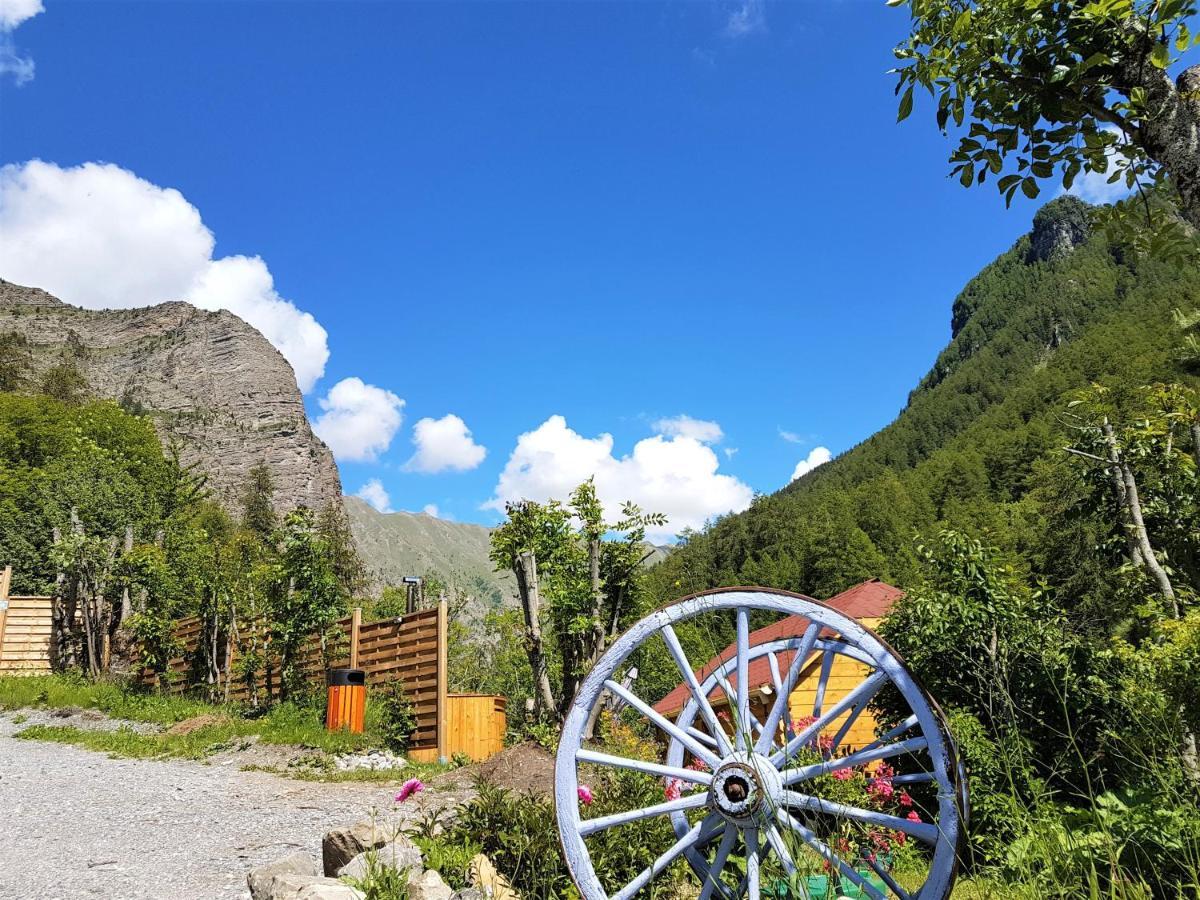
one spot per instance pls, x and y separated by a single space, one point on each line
339 677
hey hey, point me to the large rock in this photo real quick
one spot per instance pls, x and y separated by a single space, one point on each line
341 845
399 854
428 886
469 893
484 876
212 384
259 880
311 887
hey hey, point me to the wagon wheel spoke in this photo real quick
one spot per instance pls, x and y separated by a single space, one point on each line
591 826
649 768
742 737
887 878
712 880
783 691
854 760
689 678
664 724
822 683
861 694
752 863
907 725
828 854
922 831
775 839
643 878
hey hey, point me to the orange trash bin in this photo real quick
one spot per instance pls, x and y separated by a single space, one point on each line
347 700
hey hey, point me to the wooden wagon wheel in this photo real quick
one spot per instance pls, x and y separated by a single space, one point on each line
752 783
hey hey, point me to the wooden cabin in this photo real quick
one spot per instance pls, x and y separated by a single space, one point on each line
867 602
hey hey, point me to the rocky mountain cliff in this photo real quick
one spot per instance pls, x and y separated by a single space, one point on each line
215 387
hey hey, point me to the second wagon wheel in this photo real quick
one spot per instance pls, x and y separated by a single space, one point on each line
758 766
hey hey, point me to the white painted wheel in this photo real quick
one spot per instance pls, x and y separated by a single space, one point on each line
757 794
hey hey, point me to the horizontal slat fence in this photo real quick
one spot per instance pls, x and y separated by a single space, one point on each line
25 633
408 649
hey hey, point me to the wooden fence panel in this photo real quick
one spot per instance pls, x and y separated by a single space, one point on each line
25 636
410 649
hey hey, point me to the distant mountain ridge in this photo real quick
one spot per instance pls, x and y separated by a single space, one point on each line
214 386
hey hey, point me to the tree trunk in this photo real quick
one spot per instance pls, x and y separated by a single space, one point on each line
1170 133
1133 508
1196 445
531 604
1114 457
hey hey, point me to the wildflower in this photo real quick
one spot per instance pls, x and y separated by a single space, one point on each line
585 795
698 765
905 799
884 771
410 787
825 743
843 774
674 789
899 837
913 817
880 790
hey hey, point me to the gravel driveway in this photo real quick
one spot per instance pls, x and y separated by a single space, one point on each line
75 823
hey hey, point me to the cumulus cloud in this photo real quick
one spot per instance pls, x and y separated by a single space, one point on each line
444 445
676 475
818 457
749 17
376 494
12 14
685 426
98 236
358 420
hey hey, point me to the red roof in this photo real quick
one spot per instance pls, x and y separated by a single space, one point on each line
869 600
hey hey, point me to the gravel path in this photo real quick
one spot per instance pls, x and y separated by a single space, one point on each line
79 824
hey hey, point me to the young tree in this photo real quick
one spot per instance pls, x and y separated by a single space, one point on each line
1044 86
258 503
587 582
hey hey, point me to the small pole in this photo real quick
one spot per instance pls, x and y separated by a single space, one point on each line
5 583
443 677
355 625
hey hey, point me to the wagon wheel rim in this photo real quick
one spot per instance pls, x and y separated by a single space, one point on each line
754 790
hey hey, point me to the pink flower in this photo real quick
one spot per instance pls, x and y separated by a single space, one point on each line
585 795
410 787
698 765
723 716
674 789
913 817
843 774
880 790
905 799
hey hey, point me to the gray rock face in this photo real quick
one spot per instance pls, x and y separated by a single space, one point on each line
1059 227
428 886
214 386
259 881
341 845
400 854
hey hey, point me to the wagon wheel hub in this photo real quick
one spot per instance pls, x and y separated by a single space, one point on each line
744 788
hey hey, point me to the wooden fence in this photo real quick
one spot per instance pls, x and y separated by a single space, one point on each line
411 649
25 631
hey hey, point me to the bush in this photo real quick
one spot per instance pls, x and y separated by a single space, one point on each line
397 717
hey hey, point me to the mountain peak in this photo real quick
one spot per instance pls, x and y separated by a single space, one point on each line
1059 227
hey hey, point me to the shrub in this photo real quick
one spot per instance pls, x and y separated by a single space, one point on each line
397 716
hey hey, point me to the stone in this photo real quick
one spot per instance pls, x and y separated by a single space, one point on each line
468 893
428 886
311 887
259 880
399 854
484 876
341 845
211 383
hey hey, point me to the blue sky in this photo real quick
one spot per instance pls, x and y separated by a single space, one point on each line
611 213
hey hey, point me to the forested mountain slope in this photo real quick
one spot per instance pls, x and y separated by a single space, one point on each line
1058 311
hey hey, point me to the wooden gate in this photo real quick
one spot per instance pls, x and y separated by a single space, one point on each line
26 625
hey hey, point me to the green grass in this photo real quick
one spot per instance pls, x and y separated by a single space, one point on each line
288 724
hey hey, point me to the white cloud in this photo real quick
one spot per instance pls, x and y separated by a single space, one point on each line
676 476
730 452
748 18
818 457
12 14
685 426
443 445
791 437
376 494
1094 187
430 509
358 420
98 236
